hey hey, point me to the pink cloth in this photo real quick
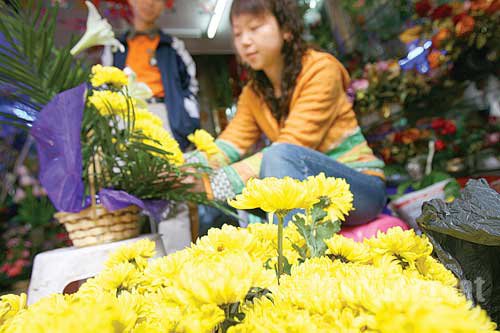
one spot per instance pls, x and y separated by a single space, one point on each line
369 230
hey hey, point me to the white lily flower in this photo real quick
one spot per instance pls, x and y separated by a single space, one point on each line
99 32
138 90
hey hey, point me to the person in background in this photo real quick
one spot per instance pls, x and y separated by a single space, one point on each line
162 62
297 97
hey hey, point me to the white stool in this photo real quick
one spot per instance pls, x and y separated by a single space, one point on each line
176 231
56 269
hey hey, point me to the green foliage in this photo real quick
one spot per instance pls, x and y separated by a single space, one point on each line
118 158
32 64
376 24
35 211
317 231
451 190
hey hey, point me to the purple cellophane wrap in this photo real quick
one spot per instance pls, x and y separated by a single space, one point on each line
57 135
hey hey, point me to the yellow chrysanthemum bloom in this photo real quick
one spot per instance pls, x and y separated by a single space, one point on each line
137 254
230 238
144 116
266 235
427 307
265 316
169 314
431 269
163 272
204 320
347 250
405 246
272 195
112 103
59 314
120 277
336 189
109 75
204 142
160 138
227 277
10 305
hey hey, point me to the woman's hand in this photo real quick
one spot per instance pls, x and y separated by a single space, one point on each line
196 181
194 178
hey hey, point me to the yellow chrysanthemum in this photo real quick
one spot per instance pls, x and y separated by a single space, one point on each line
230 238
111 103
272 195
425 306
144 116
204 320
137 254
10 305
116 103
120 277
187 292
160 138
204 142
336 189
431 269
266 234
109 75
226 278
102 313
266 316
163 272
405 246
347 250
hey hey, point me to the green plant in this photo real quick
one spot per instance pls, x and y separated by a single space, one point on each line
31 62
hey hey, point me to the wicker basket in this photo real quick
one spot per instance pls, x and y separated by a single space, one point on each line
97 225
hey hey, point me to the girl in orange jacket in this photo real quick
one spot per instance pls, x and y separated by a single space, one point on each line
297 98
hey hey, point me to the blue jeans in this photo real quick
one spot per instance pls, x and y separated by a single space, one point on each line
297 162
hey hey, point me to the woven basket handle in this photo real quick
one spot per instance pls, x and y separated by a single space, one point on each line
93 170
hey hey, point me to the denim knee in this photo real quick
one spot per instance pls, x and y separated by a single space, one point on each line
275 160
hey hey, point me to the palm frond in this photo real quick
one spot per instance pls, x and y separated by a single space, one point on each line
31 62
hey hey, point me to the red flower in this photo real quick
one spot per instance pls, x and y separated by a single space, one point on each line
21 263
449 128
437 123
480 4
442 12
440 145
494 7
407 136
443 126
458 17
61 236
441 36
423 7
4 268
14 271
434 59
465 25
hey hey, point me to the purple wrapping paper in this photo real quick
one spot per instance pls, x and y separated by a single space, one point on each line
57 135
417 57
113 200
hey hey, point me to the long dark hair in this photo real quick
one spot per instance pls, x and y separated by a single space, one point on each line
289 20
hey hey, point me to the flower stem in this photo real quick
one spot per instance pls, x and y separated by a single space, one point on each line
281 261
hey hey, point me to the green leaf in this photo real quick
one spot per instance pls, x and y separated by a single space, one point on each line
33 64
481 41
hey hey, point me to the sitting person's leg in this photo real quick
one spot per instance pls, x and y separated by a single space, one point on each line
211 217
297 162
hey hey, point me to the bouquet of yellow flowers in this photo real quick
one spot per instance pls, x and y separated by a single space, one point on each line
98 145
225 282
